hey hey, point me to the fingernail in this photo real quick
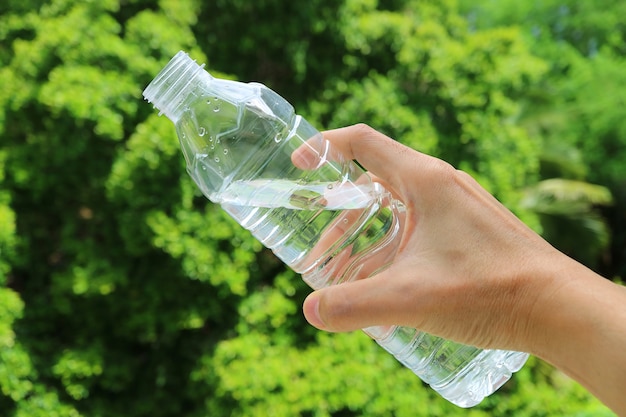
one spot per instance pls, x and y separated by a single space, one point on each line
311 310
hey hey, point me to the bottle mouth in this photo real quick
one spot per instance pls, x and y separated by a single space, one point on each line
169 88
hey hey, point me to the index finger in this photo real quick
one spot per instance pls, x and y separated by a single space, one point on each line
376 152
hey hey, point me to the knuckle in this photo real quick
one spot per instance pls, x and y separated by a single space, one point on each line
440 171
363 129
368 140
366 134
462 175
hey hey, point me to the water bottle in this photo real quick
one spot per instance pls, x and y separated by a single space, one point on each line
321 214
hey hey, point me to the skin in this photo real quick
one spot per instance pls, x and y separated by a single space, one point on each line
470 271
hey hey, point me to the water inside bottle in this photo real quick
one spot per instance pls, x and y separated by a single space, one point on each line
322 230
277 193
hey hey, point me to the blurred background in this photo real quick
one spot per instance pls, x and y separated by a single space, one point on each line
124 292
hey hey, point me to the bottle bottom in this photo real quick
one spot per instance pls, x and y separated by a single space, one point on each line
482 377
464 375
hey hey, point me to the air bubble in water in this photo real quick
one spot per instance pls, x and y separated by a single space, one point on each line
216 159
278 137
216 108
225 151
201 131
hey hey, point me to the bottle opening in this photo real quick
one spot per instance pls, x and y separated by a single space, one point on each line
169 88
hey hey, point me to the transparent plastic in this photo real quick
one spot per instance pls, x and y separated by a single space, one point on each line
319 213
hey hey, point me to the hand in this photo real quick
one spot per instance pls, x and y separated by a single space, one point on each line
470 271
467 269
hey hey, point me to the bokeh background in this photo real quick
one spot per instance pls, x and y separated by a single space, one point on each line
124 292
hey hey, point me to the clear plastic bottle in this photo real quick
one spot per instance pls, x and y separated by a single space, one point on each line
319 213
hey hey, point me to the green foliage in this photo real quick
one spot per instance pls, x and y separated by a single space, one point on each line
124 292
7 228
564 197
77 371
577 107
420 75
588 26
568 212
15 365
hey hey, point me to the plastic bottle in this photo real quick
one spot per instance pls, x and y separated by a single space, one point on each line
319 213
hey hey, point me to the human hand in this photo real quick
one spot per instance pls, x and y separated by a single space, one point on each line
466 269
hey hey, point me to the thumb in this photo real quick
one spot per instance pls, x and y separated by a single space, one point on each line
353 305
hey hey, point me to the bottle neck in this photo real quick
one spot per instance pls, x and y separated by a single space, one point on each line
168 90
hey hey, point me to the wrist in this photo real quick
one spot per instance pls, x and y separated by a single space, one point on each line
578 325
562 306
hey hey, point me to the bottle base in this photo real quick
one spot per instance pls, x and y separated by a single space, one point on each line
486 374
